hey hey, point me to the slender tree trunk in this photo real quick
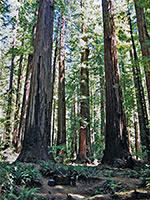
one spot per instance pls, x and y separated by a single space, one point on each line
74 129
25 100
144 41
102 100
141 104
61 136
37 128
136 130
10 94
17 112
84 142
116 139
84 137
53 126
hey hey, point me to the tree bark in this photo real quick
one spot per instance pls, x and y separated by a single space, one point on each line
24 103
116 139
144 41
140 98
84 135
9 109
18 103
37 128
61 135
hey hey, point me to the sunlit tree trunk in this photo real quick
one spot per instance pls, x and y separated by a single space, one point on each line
53 124
116 139
37 128
136 131
61 135
144 41
84 137
140 98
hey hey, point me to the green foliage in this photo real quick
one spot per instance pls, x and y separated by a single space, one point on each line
48 169
27 174
24 194
98 146
59 152
109 186
19 174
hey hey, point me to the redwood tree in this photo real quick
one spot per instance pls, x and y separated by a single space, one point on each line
37 128
84 139
61 135
140 97
144 41
116 141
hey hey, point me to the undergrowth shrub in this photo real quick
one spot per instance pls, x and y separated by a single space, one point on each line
25 194
25 174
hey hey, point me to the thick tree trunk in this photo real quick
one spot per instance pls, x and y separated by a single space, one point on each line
37 128
61 135
116 139
144 41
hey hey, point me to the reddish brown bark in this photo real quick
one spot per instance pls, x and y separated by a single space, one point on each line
116 139
61 135
18 103
37 128
144 41
84 138
140 97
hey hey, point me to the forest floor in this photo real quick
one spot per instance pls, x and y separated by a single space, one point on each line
112 183
95 182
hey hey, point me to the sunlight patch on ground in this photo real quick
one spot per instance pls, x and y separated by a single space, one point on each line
76 196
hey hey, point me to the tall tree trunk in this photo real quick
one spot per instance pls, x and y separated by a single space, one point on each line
10 93
37 128
144 41
84 141
102 100
116 139
17 112
25 100
140 98
84 137
74 129
53 126
61 135
136 131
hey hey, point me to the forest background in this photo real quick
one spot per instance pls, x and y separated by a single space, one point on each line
78 28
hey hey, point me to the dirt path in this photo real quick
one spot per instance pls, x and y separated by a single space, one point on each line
86 189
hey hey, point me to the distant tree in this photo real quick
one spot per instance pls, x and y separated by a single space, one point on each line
140 97
61 135
144 41
37 128
18 101
116 138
